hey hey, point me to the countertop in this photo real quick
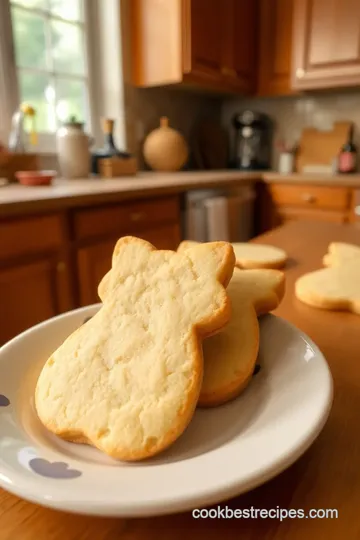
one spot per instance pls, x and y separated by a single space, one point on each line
326 477
69 193
15 198
334 180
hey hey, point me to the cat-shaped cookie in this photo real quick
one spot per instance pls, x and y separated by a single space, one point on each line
333 288
340 253
129 379
231 354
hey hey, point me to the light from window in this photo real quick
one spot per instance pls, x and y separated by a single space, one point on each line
49 40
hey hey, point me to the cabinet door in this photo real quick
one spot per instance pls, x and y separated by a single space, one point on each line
95 261
275 47
31 293
203 37
239 44
326 43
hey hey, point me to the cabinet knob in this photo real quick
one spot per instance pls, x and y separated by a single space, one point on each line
300 73
137 216
308 197
61 266
357 210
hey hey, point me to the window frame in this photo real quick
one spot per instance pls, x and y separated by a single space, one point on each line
9 86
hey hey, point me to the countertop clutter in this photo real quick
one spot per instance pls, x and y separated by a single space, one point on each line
320 479
15 199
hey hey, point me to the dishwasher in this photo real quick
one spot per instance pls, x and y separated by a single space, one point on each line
219 214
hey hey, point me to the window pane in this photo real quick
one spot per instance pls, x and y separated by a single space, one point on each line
71 100
36 89
29 37
67 48
38 4
67 9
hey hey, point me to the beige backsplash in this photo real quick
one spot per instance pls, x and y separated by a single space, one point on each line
292 114
184 108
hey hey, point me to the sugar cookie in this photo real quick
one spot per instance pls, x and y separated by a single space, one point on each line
336 288
251 256
129 379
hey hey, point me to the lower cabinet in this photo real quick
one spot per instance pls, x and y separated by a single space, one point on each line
51 263
31 293
288 202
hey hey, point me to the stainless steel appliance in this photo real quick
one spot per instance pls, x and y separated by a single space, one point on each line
252 141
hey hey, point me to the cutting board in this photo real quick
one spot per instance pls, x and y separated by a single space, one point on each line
319 148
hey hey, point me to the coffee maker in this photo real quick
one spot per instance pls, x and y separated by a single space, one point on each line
252 141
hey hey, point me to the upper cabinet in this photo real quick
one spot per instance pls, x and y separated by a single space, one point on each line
326 45
202 38
209 43
256 47
275 47
240 21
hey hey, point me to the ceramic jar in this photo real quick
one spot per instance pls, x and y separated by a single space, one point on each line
165 149
73 150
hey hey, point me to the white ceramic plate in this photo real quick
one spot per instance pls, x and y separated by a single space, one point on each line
224 452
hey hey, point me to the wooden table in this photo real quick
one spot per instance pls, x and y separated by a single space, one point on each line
327 476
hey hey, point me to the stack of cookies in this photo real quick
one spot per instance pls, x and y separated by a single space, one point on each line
176 330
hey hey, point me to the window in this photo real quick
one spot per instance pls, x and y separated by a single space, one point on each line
49 40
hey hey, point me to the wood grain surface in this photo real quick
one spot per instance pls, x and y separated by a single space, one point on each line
327 476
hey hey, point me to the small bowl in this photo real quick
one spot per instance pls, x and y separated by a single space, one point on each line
35 178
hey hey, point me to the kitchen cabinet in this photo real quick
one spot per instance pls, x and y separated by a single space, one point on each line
35 281
289 202
275 47
207 43
203 37
326 46
31 293
53 262
240 20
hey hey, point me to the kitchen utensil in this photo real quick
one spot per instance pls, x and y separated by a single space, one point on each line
225 451
35 178
165 149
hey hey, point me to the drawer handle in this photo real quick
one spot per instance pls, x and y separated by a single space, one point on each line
308 197
137 216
